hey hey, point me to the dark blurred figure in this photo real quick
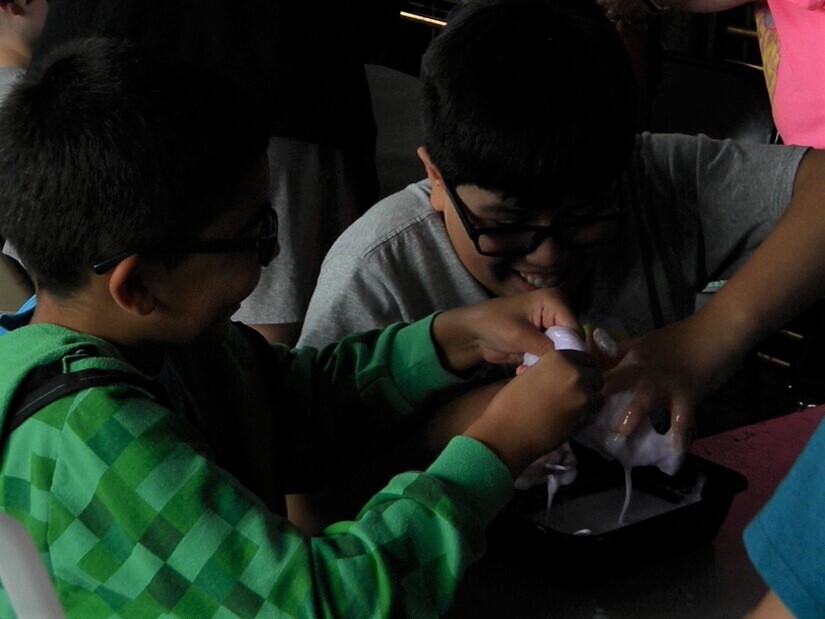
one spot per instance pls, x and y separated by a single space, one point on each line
304 63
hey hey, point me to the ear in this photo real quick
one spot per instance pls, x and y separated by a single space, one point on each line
437 195
130 287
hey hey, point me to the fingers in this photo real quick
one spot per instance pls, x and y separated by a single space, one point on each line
632 417
515 325
604 348
550 308
541 408
641 407
605 344
642 404
533 341
681 422
574 368
621 378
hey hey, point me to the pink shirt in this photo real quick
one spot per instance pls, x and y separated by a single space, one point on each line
798 97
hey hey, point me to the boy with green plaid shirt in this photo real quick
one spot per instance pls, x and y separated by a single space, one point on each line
135 193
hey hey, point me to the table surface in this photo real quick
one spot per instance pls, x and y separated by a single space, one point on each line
712 580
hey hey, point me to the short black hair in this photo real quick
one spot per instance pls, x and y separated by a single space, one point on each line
105 147
534 99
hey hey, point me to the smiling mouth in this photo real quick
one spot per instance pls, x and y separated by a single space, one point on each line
542 280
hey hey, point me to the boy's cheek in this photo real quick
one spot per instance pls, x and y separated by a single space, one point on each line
207 332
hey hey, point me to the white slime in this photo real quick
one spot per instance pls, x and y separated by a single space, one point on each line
645 446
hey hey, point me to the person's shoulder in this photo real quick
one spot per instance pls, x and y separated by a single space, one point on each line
665 150
660 143
406 214
648 141
8 78
34 359
677 153
28 346
11 74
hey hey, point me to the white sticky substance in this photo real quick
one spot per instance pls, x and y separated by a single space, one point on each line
555 469
628 490
642 448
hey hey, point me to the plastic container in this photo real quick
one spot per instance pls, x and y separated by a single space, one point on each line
581 536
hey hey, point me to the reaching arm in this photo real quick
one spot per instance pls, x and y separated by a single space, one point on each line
678 365
163 530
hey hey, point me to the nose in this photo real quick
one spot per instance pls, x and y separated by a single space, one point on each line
547 253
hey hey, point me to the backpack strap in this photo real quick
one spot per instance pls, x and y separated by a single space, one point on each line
50 382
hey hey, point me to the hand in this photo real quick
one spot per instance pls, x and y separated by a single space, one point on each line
540 409
672 368
500 330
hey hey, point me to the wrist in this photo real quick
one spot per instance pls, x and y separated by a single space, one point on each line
457 349
499 441
717 344
734 327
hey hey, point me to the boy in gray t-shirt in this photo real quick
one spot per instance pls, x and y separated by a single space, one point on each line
535 178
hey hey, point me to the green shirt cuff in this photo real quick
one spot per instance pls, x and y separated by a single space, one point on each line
415 362
476 475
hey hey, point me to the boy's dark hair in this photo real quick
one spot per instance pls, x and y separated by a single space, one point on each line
104 148
534 99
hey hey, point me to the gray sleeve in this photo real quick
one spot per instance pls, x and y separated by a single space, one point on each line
733 193
743 191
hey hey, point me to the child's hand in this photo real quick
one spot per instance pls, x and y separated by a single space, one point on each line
672 368
540 409
500 330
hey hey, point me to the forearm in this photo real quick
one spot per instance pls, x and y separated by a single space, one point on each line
211 530
393 371
457 415
679 365
441 514
351 486
783 276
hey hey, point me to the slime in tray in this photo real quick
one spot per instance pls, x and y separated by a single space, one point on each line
644 447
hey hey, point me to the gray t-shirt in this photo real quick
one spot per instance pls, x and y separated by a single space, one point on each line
316 197
695 209
8 78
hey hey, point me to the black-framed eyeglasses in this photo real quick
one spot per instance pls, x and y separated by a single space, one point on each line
574 232
265 243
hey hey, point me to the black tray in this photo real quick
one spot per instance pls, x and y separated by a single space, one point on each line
581 534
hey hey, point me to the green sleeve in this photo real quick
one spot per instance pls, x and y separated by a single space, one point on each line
355 397
396 366
137 522
316 410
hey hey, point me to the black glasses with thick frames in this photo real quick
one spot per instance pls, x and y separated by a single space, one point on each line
265 243
574 232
